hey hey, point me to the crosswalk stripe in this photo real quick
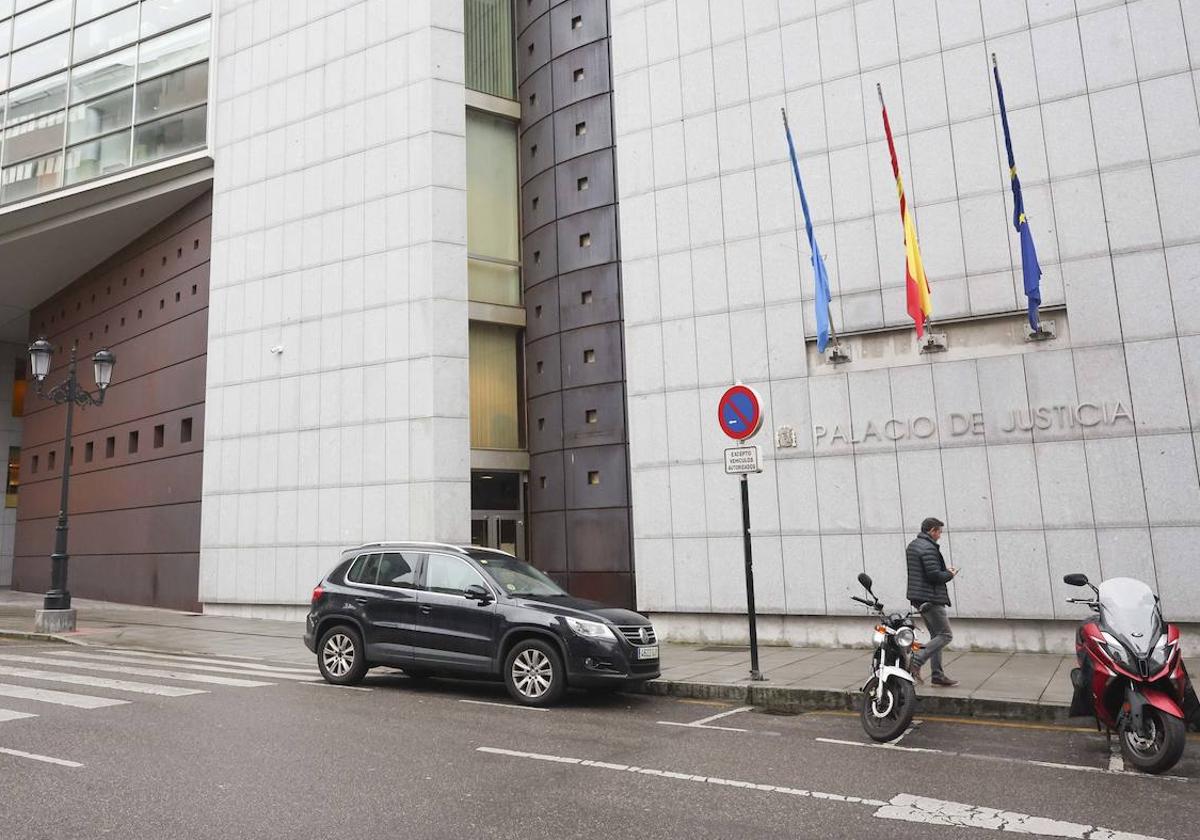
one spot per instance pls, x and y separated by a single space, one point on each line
174 657
137 672
61 698
9 714
311 676
99 682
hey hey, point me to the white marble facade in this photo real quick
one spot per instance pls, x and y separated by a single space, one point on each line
336 401
1102 99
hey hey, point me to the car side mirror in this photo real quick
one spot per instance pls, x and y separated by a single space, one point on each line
477 592
865 580
1075 579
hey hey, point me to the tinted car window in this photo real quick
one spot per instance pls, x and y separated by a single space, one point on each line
449 575
364 570
398 570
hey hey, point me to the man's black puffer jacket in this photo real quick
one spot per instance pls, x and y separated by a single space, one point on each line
927 573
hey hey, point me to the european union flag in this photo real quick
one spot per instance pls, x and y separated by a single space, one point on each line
1029 261
820 275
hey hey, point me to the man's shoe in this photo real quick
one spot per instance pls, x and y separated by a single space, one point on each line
943 681
915 670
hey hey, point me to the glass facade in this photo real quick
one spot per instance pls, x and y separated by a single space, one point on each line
92 87
493 210
488 31
496 398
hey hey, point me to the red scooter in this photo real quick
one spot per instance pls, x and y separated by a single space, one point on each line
1131 676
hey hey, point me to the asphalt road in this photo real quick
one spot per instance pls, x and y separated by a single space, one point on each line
284 757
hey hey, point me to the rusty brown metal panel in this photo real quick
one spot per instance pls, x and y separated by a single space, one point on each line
135 515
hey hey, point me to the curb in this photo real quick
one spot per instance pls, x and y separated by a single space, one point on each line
796 700
37 637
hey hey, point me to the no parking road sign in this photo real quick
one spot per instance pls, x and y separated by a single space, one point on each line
740 412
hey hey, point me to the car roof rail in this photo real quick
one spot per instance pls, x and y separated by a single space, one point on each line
403 543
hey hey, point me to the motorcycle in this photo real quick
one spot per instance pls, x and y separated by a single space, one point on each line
1131 676
889 695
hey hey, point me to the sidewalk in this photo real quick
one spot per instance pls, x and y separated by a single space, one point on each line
1011 685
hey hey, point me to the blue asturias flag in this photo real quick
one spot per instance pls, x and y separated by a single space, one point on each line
820 275
1029 261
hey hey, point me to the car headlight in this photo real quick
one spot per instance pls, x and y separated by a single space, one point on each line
590 629
1118 653
1160 656
905 637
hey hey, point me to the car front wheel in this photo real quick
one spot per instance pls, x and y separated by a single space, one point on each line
340 656
534 673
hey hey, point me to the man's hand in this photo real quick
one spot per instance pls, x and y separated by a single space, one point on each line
954 571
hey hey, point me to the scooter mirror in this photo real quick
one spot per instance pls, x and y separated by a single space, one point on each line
865 580
1075 579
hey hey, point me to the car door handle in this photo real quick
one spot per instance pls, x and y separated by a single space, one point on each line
426 609
360 600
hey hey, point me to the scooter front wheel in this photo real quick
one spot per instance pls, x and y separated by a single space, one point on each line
885 718
1159 746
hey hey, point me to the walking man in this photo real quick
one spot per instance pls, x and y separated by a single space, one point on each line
927 579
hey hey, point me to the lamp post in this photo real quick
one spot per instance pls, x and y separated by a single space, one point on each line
56 614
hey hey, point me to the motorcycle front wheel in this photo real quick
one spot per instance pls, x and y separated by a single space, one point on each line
1159 746
886 718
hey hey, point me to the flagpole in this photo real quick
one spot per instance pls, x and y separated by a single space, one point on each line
838 355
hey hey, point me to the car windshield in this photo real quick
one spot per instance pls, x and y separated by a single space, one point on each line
1128 610
516 577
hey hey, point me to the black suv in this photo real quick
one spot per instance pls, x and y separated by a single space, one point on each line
472 612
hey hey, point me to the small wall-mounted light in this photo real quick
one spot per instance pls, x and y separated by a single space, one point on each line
277 349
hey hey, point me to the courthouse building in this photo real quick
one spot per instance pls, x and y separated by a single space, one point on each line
479 270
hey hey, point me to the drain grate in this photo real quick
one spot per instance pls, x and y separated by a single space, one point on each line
725 649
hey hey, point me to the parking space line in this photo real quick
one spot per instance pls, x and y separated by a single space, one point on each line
696 726
505 705
906 732
322 683
718 716
87 665
1053 765
903 806
9 714
1116 762
62 762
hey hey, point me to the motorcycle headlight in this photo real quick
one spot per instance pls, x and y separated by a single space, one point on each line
905 637
590 629
878 637
1160 656
1117 652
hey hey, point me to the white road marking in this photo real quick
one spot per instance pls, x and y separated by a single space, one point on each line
704 723
138 659
322 683
9 714
1116 762
62 762
137 672
694 726
252 665
1053 765
906 732
99 682
903 806
505 705
686 777
720 715
61 698
920 809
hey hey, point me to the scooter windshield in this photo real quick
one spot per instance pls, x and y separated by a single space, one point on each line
1128 610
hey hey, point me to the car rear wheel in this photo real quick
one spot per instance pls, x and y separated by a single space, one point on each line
340 656
534 673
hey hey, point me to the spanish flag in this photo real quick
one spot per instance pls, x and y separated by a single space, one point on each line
915 283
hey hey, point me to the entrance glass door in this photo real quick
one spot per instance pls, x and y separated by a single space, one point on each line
505 531
497 520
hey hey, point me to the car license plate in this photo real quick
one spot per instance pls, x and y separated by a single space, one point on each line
648 652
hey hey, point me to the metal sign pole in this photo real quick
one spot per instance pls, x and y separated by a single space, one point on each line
755 674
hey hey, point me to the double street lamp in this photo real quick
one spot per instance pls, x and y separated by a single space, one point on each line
57 603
